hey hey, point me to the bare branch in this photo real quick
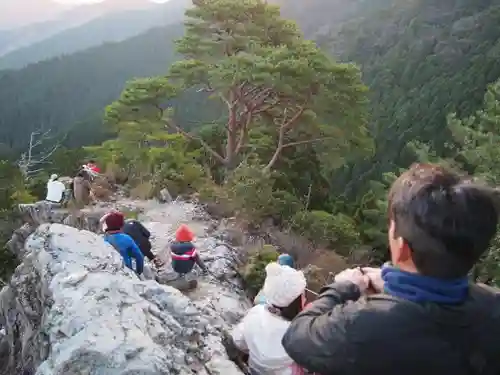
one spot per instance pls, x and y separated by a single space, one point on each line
284 126
205 145
307 141
32 158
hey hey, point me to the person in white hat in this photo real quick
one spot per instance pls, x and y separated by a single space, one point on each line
55 190
260 332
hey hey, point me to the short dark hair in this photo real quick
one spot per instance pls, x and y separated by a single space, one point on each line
446 219
292 310
91 161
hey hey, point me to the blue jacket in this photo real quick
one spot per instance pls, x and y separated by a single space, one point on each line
183 257
127 248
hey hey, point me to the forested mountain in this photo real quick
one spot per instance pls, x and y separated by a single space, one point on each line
284 106
59 39
420 59
71 92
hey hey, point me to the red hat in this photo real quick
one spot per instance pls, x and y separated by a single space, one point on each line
184 234
114 220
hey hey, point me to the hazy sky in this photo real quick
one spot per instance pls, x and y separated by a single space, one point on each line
16 13
95 1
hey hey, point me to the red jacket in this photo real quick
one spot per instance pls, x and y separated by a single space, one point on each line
94 168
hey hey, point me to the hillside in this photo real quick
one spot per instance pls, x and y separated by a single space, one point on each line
422 60
432 60
61 93
61 37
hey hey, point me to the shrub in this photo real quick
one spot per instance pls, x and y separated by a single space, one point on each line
325 229
144 190
253 197
254 271
184 178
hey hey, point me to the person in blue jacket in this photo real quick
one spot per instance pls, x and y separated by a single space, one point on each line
122 242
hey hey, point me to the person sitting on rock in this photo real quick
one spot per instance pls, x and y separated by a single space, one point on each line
260 332
183 252
122 242
92 166
55 190
81 190
284 260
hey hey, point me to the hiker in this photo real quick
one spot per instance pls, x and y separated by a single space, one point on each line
81 190
283 259
183 252
55 190
92 166
122 242
260 332
425 316
139 234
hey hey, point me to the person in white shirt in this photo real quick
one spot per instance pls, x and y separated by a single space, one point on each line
260 332
55 190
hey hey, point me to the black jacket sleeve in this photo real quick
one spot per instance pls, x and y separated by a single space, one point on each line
316 338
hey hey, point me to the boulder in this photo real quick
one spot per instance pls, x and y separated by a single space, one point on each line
72 308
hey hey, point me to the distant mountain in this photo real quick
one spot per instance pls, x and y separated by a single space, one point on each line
21 13
66 18
69 93
112 27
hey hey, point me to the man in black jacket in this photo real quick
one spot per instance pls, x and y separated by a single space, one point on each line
141 236
425 317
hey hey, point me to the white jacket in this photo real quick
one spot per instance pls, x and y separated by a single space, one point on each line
259 334
55 191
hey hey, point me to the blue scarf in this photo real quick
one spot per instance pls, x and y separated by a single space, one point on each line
418 288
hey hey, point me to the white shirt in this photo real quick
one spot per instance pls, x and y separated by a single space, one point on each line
55 191
260 333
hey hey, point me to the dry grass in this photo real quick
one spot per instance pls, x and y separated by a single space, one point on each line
102 189
115 174
319 264
143 191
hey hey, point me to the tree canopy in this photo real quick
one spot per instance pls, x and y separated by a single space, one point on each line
258 69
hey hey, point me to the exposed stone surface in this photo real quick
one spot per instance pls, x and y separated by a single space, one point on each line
72 308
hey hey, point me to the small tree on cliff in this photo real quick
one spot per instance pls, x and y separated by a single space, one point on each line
265 74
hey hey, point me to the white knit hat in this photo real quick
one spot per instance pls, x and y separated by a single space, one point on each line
283 284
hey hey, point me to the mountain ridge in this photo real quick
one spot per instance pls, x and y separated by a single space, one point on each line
14 39
113 27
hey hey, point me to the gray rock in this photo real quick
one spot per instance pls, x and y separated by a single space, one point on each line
164 196
71 306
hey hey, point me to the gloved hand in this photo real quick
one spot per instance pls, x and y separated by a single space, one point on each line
356 276
375 276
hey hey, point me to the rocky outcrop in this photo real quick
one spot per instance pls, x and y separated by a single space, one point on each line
72 308
43 212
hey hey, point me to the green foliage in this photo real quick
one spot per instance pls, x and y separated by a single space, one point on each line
266 75
67 94
477 139
324 229
421 60
253 273
12 192
254 197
